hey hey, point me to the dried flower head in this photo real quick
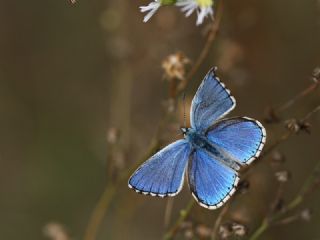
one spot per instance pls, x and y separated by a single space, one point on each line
306 215
113 135
316 75
239 230
282 176
277 157
296 126
232 229
189 234
174 66
55 231
203 231
225 231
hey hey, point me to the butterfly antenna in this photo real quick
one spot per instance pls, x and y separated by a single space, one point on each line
184 110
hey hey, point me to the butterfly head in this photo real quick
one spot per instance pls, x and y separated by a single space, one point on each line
184 131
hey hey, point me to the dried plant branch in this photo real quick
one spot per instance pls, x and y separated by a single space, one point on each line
205 50
274 219
274 113
183 215
103 203
168 211
313 86
218 221
308 187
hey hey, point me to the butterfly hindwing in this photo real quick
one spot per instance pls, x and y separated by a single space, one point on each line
211 102
211 183
162 175
242 138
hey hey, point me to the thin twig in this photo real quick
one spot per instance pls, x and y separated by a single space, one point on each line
305 190
271 220
313 86
183 215
205 50
218 221
168 211
202 56
104 201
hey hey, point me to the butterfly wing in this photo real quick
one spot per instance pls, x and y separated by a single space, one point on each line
211 183
162 175
211 102
243 138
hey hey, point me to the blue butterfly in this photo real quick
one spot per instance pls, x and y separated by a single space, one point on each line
211 153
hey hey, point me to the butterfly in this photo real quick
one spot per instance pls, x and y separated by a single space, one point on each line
210 155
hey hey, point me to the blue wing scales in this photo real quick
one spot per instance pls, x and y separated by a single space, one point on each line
162 175
242 138
211 183
211 102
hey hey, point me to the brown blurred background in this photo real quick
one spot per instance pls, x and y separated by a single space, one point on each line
68 73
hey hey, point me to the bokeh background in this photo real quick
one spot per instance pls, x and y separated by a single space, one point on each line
71 72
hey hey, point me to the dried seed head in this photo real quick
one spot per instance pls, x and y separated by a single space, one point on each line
316 75
292 125
174 66
203 231
296 126
55 231
225 231
277 157
232 229
282 176
238 229
113 135
189 234
306 215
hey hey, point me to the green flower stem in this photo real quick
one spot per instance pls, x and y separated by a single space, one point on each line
168 2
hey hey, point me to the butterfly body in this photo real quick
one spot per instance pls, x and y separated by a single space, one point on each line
200 141
211 153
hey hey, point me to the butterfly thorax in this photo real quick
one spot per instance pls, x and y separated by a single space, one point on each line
200 141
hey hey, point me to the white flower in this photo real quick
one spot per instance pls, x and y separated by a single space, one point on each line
152 8
203 8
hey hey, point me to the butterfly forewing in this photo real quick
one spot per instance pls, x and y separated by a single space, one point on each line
211 102
163 174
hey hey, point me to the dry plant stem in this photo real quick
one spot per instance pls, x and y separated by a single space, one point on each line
203 54
271 220
168 211
308 186
296 98
183 215
104 201
218 221
205 50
